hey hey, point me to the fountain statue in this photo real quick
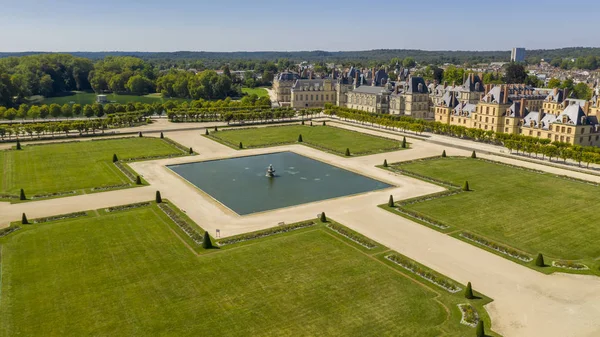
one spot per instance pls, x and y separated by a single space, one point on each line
270 171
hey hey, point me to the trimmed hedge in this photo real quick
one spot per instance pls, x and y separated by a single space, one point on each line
353 236
185 227
427 274
60 217
264 233
497 247
127 207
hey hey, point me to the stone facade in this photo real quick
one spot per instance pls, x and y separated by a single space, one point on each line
312 93
282 86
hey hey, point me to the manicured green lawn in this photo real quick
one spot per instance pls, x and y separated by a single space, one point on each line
40 169
127 273
530 211
260 92
329 138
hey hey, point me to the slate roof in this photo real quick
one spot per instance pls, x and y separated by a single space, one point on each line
315 84
367 89
464 109
450 100
515 110
574 116
288 76
473 84
413 86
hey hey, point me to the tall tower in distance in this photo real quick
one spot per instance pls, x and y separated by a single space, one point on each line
517 55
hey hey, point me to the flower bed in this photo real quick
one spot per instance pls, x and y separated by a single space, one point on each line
428 197
470 316
125 171
126 207
177 145
570 265
110 187
189 230
8 196
425 178
264 233
499 248
60 217
128 160
423 218
429 275
8 230
351 235
51 195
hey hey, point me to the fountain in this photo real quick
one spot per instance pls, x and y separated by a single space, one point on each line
270 171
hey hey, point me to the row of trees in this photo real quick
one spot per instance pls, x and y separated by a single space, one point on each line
98 110
51 129
236 115
514 142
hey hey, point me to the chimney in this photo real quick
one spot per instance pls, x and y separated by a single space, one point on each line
373 77
397 87
505 98
565 93
522 112
586 107
356 84
445 84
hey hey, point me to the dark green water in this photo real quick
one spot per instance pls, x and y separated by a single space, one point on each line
241 184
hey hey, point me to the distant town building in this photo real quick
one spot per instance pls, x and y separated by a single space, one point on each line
517 55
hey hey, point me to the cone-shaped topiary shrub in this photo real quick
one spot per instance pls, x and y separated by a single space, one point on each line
206 243
323 123
140 134
391 201
216 129
539 260
241 145
115 158
303 122
404 142
469 292
22 195
138 180
480 330
162 136
24 220
300 138
311 123
444 154
18 144
323 218
385 164
191 151
347 152
206 132
466 186
473 155
158 197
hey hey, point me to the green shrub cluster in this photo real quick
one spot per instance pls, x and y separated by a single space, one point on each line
265 233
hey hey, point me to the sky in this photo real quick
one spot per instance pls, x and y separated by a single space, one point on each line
267 25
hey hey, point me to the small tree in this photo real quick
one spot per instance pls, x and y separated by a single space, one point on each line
391 201
206 243
480 330
241 145
473 155
444 154
191 151
469 292
323 218
539 260
162 136
300 138
140 134
158 197
24 220
466 186
206 132
404 142
115 158
385 164
18 144
323 123
138 180
347 152
22 195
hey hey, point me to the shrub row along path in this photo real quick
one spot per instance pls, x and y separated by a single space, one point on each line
526 303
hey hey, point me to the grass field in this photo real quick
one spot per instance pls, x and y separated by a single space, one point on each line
330 138
90 98
260 92
529 211
127 273
42 169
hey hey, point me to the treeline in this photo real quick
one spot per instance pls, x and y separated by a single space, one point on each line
238 115
526 144
35 112
65 128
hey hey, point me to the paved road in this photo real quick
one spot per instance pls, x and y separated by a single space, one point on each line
526 303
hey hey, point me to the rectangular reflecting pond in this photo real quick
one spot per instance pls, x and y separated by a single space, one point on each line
242 185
